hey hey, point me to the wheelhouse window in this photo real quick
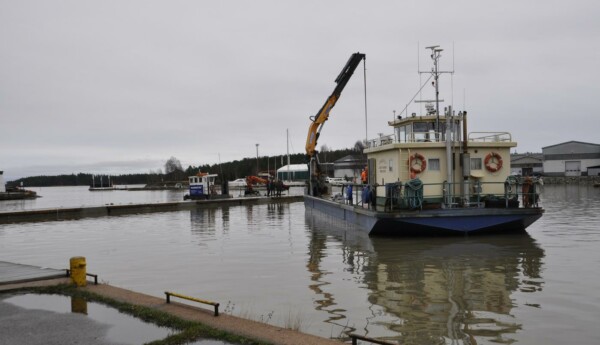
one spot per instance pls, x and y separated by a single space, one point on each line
424 131
476 164
401 134
433 164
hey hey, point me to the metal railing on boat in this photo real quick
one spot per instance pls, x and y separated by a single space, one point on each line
437 137
515 192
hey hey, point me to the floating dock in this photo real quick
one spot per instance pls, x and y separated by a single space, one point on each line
55 214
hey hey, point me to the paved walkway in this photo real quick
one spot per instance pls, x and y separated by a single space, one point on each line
11 273
235 325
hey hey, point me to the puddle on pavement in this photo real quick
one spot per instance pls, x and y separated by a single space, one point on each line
122 328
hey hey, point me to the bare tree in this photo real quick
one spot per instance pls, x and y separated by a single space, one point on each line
359 146
173 165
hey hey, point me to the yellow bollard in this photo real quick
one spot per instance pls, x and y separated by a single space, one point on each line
78 305
78 273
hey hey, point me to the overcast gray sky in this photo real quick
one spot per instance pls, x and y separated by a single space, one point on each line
121 86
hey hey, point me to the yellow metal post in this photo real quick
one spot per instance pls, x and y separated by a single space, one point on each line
78 271
78 305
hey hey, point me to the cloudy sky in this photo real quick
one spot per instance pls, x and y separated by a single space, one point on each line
121 86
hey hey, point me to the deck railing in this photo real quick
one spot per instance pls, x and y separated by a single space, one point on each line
490 137
515 192
432 136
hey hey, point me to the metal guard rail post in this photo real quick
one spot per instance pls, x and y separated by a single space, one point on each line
68 271
215 304
371 340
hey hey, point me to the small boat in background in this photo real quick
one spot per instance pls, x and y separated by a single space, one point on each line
98 184
202 187
237 183
14 193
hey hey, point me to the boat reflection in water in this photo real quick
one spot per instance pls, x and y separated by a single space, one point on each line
429 290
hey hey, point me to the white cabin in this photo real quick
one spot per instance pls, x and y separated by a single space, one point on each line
417 150
202 184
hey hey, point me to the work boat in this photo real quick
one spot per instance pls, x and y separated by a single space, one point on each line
203 186
431 177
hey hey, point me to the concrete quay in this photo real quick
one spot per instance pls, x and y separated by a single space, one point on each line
56 214
249 329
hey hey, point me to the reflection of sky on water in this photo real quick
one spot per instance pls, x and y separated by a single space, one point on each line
112 325
430 290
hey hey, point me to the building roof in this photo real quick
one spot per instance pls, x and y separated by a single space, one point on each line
527 159
350 159
537 155
294 168
570 142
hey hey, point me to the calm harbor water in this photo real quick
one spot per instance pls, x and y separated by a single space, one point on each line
280 264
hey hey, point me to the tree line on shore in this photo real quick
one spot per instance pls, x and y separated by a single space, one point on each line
173 171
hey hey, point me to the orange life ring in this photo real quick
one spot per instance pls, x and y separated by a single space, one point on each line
417 168
496 164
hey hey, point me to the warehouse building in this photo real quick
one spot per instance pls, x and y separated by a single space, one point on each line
526 164
349 167
571 158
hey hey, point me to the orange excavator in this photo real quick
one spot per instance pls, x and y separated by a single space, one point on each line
276 186
316 178
251 181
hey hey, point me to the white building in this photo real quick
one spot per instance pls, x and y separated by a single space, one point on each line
570 158
296 172
2 186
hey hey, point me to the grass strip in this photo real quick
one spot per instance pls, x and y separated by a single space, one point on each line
188 330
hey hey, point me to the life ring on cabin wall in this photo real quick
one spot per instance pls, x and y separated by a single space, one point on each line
493 162
417 168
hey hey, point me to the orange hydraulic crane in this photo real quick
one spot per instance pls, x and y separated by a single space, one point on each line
319 120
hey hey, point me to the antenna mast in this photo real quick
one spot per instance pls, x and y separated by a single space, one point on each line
435 73
435 56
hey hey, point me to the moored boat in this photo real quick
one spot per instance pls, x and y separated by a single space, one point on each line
430 176
18 194
14 193
202 186
101 184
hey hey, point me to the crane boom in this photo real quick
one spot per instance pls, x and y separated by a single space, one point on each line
319 120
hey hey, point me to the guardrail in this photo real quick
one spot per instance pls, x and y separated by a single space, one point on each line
513 193
215 304
95 276
492 137
436 137
356 337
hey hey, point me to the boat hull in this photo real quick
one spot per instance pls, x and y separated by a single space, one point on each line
18 195
429 222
